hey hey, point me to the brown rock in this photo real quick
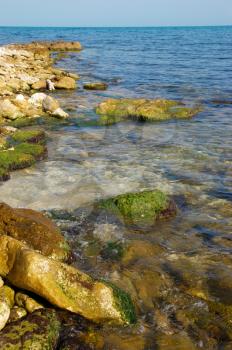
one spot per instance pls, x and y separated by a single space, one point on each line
34 229
40 85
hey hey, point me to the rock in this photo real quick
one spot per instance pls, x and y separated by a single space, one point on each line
59 113
66 83
20 156
40 85
49 104
141 109
9 111
1 282
63 285
16 313
95 86
6 303
180 341
30 136
36 230
37 99
26 302
39 330
140 208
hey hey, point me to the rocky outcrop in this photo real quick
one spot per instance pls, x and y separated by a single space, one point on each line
34 229
142 109
63 285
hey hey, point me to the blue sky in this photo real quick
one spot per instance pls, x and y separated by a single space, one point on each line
115 12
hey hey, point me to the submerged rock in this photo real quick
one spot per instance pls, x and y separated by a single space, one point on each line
63 285
95 86
140 208
39 330
34 229
142 109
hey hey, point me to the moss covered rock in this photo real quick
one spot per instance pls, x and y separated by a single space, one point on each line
34 229
22 149
38 331
142 109
63 285
140 208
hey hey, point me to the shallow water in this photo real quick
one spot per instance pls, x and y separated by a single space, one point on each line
181 265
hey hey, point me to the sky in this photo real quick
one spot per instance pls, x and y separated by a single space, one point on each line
101 13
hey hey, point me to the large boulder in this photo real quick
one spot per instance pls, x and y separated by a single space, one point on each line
140 208
39 330
142 109
63 285
34 229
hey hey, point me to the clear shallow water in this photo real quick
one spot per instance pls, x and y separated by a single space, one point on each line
188 258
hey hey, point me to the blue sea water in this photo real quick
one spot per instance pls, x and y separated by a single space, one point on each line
191 160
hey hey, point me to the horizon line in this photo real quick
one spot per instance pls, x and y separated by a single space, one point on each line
130 26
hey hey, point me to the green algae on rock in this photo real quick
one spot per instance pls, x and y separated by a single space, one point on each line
29 136
39 330
22 149
63 286
140 208
142 109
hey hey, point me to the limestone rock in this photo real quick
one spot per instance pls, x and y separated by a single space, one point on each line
60 113
34 229
50 105
6 303
66 83
40 85
63 285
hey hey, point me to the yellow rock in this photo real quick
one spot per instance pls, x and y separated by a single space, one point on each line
6 303
26 302
63 285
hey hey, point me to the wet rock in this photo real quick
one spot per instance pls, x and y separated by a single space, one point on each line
30 136
66 83
95 86
39 330
27 303
59 113
63 285
141 109
16 313
140 208
6 303
178 342
36 230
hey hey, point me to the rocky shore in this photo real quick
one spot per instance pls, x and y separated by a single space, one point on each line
47 301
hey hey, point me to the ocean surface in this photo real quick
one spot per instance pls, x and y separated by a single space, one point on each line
191 160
